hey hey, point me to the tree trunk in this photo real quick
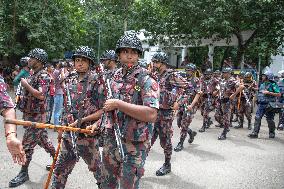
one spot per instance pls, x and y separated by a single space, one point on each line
224 56
240 53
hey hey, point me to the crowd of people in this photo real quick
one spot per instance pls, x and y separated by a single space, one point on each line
127 103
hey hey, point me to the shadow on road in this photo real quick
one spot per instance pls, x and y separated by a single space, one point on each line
204 155
242 142
169 181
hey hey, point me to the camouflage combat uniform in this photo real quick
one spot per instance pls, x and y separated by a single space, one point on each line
35 110
85 99
184 117
169 93
245 107
135 87
227 88
208 86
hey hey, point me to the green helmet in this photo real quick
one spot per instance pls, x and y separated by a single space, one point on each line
39 54
86 52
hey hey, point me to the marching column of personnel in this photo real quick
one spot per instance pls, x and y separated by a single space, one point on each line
128 103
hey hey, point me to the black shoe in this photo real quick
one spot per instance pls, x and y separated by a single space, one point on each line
280 127
48 167
165 169
239 126
21 178
253 135
219 125
222 137
202 129
179 147
192 134
271 135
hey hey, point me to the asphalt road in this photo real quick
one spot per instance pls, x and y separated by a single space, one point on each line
238 162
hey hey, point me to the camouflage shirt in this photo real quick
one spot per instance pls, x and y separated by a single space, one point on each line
228 87
135 87
5 99
30 104
192 88
208 86
82 98
171 88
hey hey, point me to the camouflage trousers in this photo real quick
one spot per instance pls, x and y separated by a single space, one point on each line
218 112
123 174
206 108
223 114
34 136
87 148
184 119
245 110
164 129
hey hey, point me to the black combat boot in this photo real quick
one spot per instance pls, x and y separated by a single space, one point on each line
209 123
165 169
256 128
220 125
21 178
249 124
179 147
241 124
223 136
202 128
271 126
191 134
48 167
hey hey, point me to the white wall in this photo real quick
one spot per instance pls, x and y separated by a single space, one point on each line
277 63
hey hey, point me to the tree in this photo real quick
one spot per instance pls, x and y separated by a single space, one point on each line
186 21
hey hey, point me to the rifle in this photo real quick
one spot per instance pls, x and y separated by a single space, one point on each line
108 93
18 94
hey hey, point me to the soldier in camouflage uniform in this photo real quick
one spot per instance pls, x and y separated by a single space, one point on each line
281 100
217 75
170 84
85 103
208 86
109 60
228 89
246 97
34 108
134 101
7 111
268 92
236 102
187 107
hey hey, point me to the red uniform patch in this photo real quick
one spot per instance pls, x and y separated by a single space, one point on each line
155 86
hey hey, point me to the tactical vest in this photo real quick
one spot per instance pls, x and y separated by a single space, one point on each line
30 104
262 98
130 91
281 87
